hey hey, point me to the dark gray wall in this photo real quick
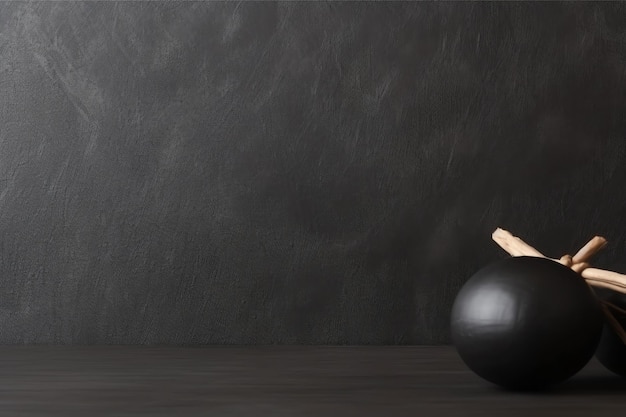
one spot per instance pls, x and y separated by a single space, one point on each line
294 172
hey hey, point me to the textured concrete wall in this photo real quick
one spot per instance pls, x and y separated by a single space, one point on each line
189 172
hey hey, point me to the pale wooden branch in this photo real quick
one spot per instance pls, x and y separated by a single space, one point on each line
614 307
596 277
607 285
605 276
614 323
579 267
514 245
591 248
565 260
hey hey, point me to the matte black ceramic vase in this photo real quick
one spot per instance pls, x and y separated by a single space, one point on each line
526 323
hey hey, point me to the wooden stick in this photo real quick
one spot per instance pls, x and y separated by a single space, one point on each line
578 263
614 307
503 240
579 267
566 260
514 245
607 285
614 323
591 248
603 275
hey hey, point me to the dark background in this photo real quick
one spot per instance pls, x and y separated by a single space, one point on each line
329 173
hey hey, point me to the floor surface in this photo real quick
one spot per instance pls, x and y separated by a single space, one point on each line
278 381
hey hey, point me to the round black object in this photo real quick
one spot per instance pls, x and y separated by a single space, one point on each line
526 323
611 351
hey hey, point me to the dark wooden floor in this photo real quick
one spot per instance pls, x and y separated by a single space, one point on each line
277 381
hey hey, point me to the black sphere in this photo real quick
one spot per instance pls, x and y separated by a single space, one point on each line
526 323
611 351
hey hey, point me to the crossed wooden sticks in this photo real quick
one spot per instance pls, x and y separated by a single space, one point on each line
593 276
